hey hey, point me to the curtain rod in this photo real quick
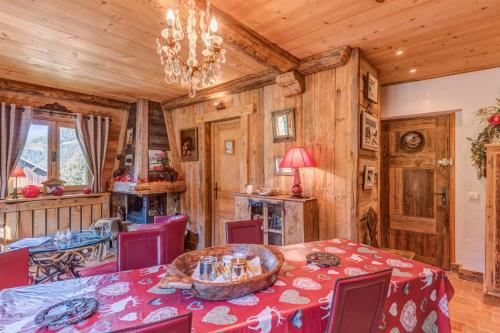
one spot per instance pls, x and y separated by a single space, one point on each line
70 114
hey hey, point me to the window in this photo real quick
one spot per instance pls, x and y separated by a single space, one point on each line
52 151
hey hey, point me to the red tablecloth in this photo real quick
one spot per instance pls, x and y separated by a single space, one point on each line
298 302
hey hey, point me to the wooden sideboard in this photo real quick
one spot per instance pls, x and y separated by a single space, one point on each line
492 238
285 220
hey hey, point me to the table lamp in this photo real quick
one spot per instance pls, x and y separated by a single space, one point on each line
296 158
18 172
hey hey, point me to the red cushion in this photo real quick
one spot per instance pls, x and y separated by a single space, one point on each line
106 268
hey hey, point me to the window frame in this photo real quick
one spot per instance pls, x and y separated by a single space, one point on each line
54 123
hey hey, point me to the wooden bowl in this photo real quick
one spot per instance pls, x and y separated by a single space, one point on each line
179 274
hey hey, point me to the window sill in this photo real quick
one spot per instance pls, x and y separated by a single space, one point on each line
54 197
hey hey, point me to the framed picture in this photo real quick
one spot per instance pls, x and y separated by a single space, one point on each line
283 122
371 88
154 158
129 159
129 136
368 178
229 147
369 131
281 171
189 144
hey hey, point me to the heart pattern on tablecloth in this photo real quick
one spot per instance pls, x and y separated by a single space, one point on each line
354 271
306 283
292 296
433 295
145 281
429 325
409 316
161 314
398 263
155 301
334 249
332 272
115 289
280 283
161 291
219 316
132 316
400 273
248 300
393 310
296 319
366 250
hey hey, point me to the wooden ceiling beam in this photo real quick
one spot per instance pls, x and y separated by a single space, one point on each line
37 90
249 82
325 60
244 40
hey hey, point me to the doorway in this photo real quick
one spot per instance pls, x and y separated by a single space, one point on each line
226 148
416 184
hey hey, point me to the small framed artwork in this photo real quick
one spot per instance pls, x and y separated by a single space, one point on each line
281 171
229 147
129 136
368 178
189 144
371 88
369 131
129 160
283 122
155 158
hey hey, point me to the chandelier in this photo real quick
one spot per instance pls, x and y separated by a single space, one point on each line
191 72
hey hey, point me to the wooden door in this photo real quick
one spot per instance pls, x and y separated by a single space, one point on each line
226 145
416 187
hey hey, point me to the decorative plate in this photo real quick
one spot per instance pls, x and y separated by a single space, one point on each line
323 259
67 312
412 141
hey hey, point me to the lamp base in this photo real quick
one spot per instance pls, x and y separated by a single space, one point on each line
296 188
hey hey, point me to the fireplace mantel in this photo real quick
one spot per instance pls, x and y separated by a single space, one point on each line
147 188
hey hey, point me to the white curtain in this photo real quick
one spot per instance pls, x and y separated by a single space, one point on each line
92 133
14 127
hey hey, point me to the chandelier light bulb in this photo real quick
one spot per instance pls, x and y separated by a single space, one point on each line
170 17
213 25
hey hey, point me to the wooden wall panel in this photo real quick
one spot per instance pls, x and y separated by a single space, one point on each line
326 119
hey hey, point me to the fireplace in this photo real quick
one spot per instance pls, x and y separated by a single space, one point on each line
143 209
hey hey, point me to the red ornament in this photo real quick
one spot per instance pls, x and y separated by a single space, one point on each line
59 190
495 119
30 191
87 190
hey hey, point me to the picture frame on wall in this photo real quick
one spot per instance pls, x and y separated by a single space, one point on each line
369 131
371 88
229 147
129 136
283 123
281 171
189 144
368 178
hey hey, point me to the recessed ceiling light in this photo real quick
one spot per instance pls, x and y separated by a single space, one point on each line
399 52
413 70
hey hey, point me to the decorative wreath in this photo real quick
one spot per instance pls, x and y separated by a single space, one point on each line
489 116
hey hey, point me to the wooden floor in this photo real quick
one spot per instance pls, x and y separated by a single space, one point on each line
467 311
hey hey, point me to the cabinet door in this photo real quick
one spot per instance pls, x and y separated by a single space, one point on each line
294 222
242 208
492 238
273 224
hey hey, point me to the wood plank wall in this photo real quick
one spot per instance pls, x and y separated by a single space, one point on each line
327 124
41 217
367 198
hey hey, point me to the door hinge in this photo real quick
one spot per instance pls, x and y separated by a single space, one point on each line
445 162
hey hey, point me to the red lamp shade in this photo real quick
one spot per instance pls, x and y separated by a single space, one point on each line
18 172
297 157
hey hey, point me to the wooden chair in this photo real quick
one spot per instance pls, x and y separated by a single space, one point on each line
244 232
15 268
179 324
358 303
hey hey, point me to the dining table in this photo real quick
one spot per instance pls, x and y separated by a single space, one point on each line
300 300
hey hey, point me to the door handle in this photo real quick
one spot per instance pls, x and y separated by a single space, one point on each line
445 162
443 196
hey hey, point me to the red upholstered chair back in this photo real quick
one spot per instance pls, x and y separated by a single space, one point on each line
174 227
14 270
244 232
140 249
358 303
179 324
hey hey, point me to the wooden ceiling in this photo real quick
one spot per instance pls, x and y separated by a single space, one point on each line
438 37
107 47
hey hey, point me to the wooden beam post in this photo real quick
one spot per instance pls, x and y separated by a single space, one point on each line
176 159
322 61
292 83
141 140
